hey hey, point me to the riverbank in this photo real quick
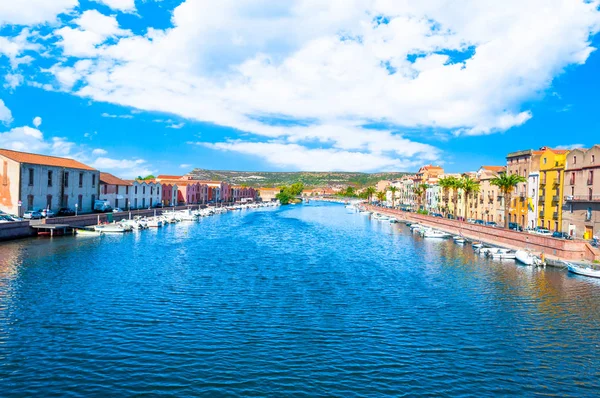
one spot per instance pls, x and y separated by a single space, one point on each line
551 248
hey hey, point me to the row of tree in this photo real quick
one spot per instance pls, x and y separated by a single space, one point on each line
506 183
290 193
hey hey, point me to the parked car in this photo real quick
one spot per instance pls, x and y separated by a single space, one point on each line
471 220
543 231
66 212
47 213
561 235
5 218
515 227
491 224
117 210
438 215
479 222
102 206
158 205
32 215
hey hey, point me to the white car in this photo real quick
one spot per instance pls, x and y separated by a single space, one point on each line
543 232
32 215
117 210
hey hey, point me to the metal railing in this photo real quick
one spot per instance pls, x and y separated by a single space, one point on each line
582 198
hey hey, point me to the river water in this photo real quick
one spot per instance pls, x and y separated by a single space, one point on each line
304 300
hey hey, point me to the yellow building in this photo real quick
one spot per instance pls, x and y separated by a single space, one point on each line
552 173
522 163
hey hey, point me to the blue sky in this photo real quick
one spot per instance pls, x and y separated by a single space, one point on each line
135 87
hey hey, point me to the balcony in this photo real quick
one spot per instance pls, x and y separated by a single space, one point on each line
541 200
582 198
556 181
541 213
555 215
555 200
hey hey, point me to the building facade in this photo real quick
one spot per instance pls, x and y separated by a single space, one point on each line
490 203
428 174
521 163
552 167
533 199
145 194
115 191
581 210
31 182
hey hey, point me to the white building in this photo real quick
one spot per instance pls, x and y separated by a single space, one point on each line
115 191
432 198
533 195
45 182
144 194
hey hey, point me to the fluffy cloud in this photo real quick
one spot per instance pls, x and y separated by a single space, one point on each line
5 113
37 121
31 12
127 168
99 151
339 66
570 146
119 5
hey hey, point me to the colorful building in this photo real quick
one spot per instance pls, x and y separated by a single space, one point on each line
30 182
490 203
581 189
428 174
115 191
552 168
521 163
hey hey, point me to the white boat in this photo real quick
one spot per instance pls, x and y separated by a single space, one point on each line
527 258
503 254
477 245
488 251
87 231
581 270
154 223
432 233
459 240
393 220
110 228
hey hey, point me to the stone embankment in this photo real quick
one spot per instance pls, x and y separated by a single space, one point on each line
570 250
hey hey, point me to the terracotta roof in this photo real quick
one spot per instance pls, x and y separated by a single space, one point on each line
109 179
32 158
494 168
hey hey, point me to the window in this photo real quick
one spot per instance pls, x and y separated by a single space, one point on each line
135 201
80 202
572 182
545 160
93 200
80 180
591 178
574 159
126 190
116 203
30 177
65 201
143 190
5 173
590 194
593 159
49 178
136 194
29 202
144 202
572 191
151 190
49 202
66 182
93 180
105 189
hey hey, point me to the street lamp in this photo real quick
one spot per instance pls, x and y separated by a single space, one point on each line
76 207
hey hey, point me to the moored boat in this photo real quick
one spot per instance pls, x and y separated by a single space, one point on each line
581 270
110 228
432 233
527 258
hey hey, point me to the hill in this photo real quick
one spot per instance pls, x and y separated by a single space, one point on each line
310 179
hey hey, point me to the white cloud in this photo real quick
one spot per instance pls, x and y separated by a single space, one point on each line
126 168
99 151
176 125
13 80
430 66
185 166
5 113
14 46
37 121
569 147
119 5
31 12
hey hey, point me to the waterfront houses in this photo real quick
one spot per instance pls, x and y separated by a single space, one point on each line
490 205
145 194
432 198
581 189
551 170
269 194
115 191
31 181
521 163
428 174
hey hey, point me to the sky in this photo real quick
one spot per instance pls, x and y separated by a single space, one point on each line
137 87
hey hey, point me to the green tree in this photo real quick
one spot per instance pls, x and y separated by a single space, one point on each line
297 188
468 186
370 191
507 183
350 192
381 196
284 196
393 190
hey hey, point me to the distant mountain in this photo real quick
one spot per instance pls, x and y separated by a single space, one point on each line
310 179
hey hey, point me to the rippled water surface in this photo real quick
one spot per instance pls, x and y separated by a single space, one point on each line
300 301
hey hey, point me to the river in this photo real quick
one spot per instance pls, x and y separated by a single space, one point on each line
305 300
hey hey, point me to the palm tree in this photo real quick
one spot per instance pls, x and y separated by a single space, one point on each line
370 192
393 190
448 183
419 191
507 183
380 196
468 186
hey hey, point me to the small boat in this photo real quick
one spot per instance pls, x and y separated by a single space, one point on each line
88 231
502 254
527 258
477 245
435 234
459 240
393 220
581 270
110 228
